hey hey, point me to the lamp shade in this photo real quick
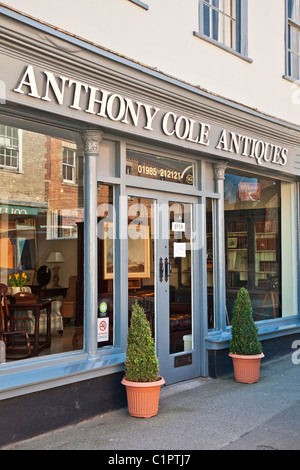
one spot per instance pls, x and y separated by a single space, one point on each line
55 257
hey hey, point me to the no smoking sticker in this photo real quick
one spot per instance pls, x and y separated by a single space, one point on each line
103 328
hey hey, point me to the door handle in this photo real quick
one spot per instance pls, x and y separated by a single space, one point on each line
161 270
168 269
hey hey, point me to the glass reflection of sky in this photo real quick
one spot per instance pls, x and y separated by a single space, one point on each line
231 186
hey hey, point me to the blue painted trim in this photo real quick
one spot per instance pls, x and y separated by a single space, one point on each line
291 79
46 372
222 46
298 237
142 68
140 4
267 329
242 14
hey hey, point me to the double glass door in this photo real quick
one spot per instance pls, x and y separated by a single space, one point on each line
163 257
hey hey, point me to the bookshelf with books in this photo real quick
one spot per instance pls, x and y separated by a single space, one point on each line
266 262
237 254
252 250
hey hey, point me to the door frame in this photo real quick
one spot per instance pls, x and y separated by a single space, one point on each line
174 367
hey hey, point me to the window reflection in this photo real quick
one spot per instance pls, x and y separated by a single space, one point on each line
253 242
41 219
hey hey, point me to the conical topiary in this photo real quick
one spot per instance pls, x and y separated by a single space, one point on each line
141 363
244 332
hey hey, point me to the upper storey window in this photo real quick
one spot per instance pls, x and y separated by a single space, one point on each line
293 39
224 22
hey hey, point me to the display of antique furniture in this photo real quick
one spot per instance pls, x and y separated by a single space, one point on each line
26 301
56 318
47 292
8 327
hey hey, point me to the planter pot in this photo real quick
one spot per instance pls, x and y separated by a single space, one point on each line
246 368
143 397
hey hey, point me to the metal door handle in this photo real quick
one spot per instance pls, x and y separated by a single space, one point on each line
168 269
161 270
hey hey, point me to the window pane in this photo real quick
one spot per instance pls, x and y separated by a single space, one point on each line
159 168
217 26
38 212
141 256
229 33
216 3
295 40
209 264
294 10
253 243
229 8
105 234
206 20
69 173
222 22
294 63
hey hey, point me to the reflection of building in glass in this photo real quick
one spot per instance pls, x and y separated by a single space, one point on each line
39 198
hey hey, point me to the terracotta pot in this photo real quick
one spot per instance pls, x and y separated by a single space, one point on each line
143 397
246 368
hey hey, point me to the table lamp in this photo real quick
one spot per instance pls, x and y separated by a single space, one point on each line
55 257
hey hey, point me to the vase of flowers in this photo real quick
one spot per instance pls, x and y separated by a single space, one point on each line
17 281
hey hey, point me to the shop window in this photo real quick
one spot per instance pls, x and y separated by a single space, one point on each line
33 204
224 22
257 257
10 145
293 39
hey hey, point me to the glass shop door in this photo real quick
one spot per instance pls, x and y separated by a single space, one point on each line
163 257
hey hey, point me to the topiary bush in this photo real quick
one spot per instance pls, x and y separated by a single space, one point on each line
141 363
244 332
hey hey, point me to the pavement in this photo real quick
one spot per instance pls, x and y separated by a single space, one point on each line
200 414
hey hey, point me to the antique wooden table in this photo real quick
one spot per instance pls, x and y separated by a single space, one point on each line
36 308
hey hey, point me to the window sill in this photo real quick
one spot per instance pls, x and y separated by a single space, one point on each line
42 373
291 79
140 4
221 46
12 170
267 329
69 183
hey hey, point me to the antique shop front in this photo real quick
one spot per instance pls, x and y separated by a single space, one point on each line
119 184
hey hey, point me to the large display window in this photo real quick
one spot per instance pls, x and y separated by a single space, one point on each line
258 254
41 251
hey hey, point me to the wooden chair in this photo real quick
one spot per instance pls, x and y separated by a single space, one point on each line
8 325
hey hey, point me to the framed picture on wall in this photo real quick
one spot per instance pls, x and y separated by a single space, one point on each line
138 251
232 242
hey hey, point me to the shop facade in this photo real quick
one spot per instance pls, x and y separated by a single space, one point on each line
132 186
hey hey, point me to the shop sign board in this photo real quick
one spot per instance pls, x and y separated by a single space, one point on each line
102 106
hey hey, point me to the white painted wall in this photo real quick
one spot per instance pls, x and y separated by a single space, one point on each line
162 37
